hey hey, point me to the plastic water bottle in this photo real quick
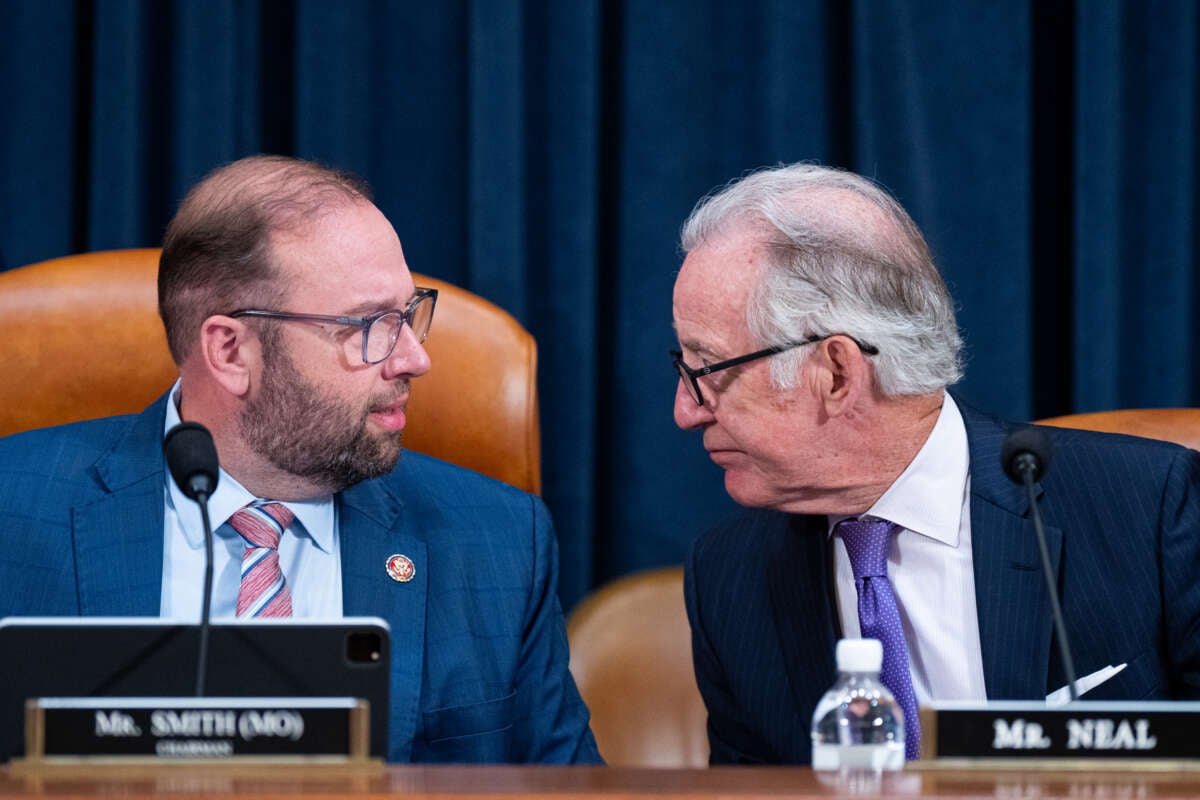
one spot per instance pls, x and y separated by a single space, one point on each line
858 725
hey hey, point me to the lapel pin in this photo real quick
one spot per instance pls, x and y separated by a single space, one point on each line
400 568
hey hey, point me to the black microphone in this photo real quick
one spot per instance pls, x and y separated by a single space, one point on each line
1026 450
1025 456
192 459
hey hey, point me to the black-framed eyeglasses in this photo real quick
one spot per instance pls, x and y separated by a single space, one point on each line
380 331
691 377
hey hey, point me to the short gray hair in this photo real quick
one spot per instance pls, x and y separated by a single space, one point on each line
824 275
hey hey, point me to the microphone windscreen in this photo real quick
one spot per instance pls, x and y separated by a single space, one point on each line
1029 442
192 458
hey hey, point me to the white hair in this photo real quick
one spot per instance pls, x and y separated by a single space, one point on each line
826 272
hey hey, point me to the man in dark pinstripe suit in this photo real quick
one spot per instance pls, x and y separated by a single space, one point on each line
817 342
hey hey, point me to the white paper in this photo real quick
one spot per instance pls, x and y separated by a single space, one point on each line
1060 697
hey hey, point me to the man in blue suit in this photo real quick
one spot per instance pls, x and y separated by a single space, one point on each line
297 329
817 341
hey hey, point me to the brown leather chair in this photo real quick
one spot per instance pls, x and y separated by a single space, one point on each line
631 656
82 339
1178 425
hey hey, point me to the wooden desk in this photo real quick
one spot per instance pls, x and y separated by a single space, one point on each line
574 783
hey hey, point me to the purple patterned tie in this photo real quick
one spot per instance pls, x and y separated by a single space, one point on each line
867 545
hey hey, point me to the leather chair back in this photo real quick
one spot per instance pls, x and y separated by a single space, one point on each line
82 339
631 656
1178 425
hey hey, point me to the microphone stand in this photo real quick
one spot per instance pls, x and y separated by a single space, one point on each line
192 460
1027 467
206 606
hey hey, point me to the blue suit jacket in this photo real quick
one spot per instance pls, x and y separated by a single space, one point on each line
479 650
1122 522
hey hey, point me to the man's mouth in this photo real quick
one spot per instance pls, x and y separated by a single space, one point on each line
391 416
722 457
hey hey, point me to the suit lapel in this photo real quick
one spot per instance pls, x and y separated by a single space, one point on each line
118 538
373 527
801 590
1013 604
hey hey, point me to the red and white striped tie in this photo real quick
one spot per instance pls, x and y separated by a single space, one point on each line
264 592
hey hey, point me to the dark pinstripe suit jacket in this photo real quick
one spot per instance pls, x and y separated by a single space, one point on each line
479 652
1122 522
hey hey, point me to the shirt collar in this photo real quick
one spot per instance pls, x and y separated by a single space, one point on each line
927 498
316 517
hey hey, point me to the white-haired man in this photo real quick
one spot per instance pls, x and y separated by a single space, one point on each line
816 344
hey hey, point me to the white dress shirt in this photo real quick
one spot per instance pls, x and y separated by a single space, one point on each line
929 565
309 551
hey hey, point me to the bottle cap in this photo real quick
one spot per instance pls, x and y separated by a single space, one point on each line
859 655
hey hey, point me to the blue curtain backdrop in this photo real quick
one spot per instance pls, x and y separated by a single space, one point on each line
544 153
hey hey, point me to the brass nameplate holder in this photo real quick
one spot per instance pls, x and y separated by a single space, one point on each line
68 730
1009 733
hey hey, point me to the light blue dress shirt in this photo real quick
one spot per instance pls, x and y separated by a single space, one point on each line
309 552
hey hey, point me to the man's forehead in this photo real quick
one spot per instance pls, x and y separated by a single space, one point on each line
722 269
352 252
713 290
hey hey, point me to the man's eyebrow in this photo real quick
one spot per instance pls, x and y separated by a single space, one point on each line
368 308
699 348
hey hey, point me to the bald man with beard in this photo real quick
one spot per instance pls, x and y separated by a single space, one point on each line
297 329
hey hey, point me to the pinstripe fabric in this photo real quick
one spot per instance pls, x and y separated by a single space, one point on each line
479 650
1123 529
264 591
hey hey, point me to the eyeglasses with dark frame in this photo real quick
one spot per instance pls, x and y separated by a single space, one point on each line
690 377
386 325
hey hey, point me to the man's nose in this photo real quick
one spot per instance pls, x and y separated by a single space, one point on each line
408 357
689 414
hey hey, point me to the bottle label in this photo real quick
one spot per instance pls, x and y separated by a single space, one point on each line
881 756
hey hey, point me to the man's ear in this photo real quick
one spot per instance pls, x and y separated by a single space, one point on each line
231 353
843 373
